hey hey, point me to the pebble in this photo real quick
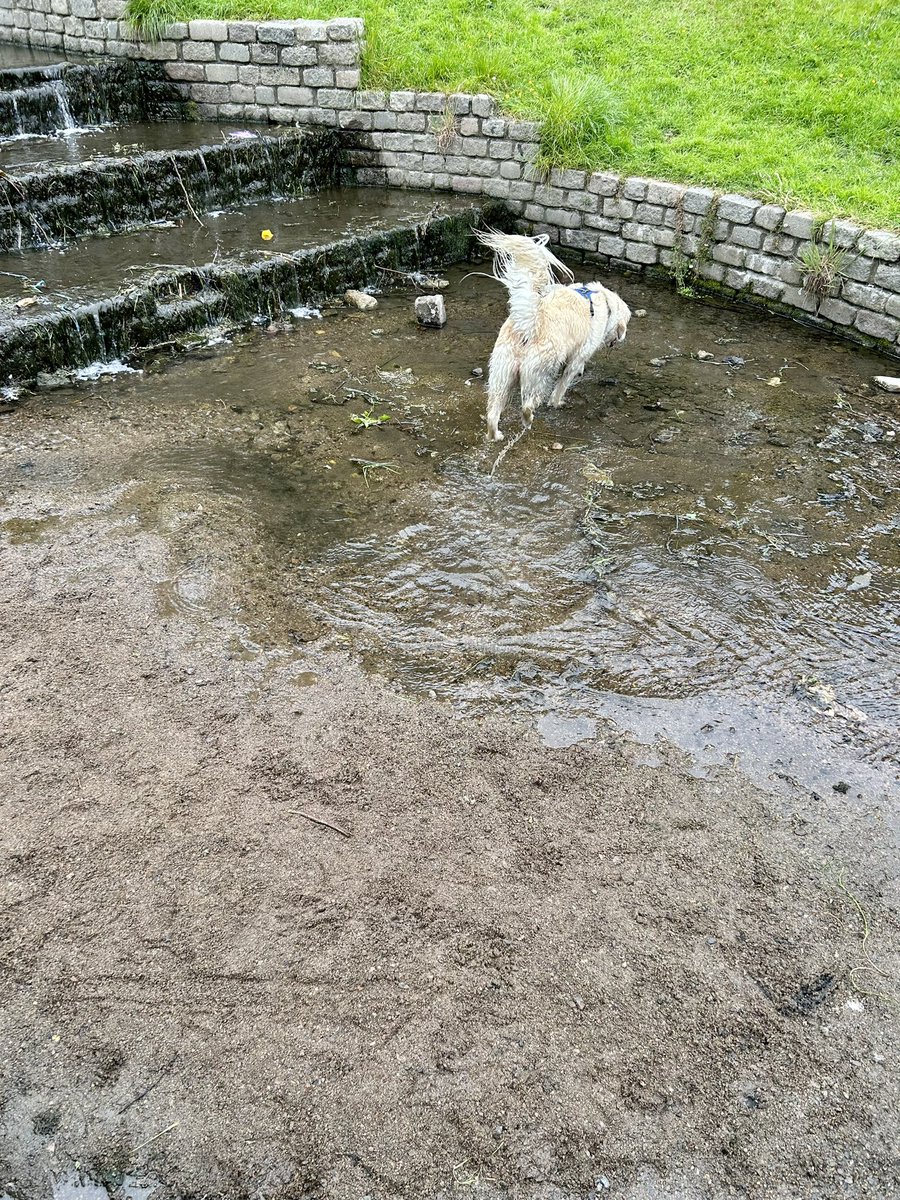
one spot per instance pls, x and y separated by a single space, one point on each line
477 372
657 362
887 383
361 300
639 312
557 446
704 355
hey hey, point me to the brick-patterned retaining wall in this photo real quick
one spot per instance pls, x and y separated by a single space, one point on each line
308 72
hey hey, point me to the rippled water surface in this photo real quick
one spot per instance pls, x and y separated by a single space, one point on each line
700 548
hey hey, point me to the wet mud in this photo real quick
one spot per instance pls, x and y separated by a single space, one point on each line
604 744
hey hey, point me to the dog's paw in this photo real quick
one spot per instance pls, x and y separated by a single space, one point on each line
498 436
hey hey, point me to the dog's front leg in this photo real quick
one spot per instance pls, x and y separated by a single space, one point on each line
571 374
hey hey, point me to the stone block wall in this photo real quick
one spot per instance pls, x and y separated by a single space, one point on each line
308 73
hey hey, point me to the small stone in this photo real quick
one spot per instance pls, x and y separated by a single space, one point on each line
639 312
841 786
657 362
887 383
859 582
361 300
477 372
557 446
430 311
704 355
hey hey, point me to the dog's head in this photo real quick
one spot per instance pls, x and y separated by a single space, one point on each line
619 316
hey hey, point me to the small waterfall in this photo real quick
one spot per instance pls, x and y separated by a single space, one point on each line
35 109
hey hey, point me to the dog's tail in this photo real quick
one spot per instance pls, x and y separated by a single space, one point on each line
527 269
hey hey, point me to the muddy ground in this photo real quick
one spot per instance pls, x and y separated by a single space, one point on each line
510 971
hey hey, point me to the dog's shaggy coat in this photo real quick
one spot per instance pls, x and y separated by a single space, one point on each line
552 330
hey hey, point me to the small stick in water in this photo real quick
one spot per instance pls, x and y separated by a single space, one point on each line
506 449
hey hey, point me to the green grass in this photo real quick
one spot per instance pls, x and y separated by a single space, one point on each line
794 100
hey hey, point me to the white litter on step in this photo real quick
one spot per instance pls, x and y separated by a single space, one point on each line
98 369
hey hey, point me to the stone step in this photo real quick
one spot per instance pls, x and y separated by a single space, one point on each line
348 241
44 98
53 204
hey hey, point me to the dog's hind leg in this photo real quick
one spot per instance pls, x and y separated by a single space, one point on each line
538 379
503 375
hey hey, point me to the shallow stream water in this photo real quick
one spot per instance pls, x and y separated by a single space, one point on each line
700 549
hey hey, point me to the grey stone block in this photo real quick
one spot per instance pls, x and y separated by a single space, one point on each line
210 93
887 277
778 243
419 179
698 200
892 308
278 33
534 212
345 29
431 102
568 179
402 142
183 72
249 75
641 252
482 106
493 127
747 235
339 54
371 177
311 31
878 326
761 285
510 170
243 95
837 311
299 97
242 31
665 194
372 100
842 234
603 184
613 246
325 98
614 206
582 201
862 296
221 73
234 52
544 194
737 209
578 239
768 216
739 280
384 120
279 76
263 95
799 224
317 77
460 104
485 167
562 218
522 190
208 31
880 244
402 101
348 77
267 54
303 55
498 189
635 188
198 51
798 298
732 256
858 267
502 148
475 147
469 185
650 214
412 122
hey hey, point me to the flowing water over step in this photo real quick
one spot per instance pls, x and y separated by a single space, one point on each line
704 550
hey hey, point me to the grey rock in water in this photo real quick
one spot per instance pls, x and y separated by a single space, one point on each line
361 300
430 311
887 383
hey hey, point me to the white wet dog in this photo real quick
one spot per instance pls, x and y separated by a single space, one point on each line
552 331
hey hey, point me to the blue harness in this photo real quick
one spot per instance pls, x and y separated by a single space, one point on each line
587 294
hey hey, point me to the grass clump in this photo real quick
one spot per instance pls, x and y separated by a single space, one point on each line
821 265
795 98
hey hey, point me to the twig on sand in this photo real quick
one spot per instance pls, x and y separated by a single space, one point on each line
297 812
150 1086
506 449
147 1141
187 198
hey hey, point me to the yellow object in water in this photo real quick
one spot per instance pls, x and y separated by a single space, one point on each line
267 235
